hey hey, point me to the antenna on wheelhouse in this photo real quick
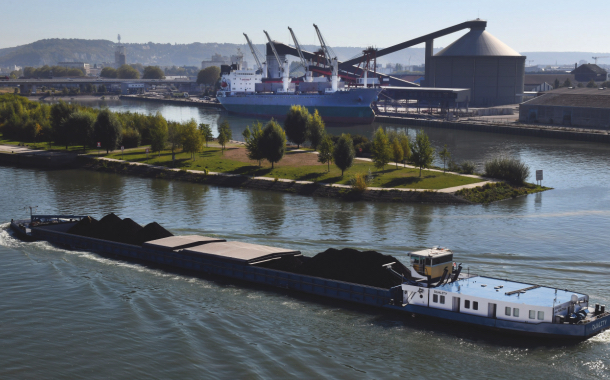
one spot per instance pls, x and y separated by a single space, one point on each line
32 208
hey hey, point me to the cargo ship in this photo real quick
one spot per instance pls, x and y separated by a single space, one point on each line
244 92
432 285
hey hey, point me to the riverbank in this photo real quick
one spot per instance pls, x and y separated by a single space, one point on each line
558 132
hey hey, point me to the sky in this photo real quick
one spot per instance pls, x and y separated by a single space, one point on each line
526 26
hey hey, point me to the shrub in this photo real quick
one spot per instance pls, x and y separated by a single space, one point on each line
467 167
361 181
131 138
509 169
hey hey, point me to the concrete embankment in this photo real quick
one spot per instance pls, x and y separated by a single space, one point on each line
19 156
534 131
177 101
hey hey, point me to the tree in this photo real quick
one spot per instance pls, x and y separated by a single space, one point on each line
60 112
80 126
107 130
192 140
224 134
423 153
253 143
567 83
344 153
153 72
206 133
381 151
246 133
108 72
127 72
315 129
101 89
444 155
296 124
158 133
556 83
591 84
326 149
397 152
405 145
273 142
208 76
174 136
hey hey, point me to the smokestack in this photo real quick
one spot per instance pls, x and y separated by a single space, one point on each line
575 65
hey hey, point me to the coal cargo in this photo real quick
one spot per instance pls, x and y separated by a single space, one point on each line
128 230
85 227
152 231
284 263
351 265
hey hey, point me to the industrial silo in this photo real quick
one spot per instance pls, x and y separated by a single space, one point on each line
492 71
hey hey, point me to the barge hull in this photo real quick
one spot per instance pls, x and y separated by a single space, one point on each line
361 294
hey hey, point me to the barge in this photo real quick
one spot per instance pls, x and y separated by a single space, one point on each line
434 286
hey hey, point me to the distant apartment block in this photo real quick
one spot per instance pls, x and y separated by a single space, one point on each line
85 67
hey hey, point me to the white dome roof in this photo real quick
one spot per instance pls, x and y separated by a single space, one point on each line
477 42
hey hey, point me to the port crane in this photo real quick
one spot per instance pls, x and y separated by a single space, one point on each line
325 47
596 58
253 50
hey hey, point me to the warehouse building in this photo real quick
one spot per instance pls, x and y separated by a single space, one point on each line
576 107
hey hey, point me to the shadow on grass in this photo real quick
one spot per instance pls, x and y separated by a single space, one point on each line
251 170
310 176
405 181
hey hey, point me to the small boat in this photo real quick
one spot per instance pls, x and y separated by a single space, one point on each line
432 286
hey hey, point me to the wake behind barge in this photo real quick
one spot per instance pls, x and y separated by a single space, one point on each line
436 287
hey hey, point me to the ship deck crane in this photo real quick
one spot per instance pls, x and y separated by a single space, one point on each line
325 47
279 63
258 62
308 76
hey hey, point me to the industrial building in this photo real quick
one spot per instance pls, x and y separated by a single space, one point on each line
590 72
577 107
492 71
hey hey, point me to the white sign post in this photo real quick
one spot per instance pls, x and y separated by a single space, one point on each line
99 145
539 176
122 150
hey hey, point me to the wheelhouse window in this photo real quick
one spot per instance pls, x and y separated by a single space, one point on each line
475 305
435 298
541 315
507 311
515 312
532 314
442 299
467 304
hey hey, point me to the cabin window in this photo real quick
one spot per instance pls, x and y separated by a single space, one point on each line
507 311
467 304
435 298
541 315
442 299
475 305
515 312
532 314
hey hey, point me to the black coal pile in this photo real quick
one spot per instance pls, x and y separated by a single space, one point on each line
113 228
152 231
285 263
108 228
128 230
351 265
85 227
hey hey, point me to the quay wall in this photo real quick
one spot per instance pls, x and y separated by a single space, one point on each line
601 137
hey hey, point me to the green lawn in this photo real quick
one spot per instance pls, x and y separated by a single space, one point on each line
391 177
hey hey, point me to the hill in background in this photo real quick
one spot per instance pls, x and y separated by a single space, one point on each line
51 51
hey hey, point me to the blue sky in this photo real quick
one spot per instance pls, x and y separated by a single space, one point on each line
523 25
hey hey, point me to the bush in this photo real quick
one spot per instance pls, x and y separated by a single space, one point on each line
467 167
508 169
360 182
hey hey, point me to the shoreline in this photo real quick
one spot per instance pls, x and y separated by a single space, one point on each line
24 157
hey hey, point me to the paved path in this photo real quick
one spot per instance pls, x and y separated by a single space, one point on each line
26 150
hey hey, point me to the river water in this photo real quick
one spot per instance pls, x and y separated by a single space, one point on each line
72 314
